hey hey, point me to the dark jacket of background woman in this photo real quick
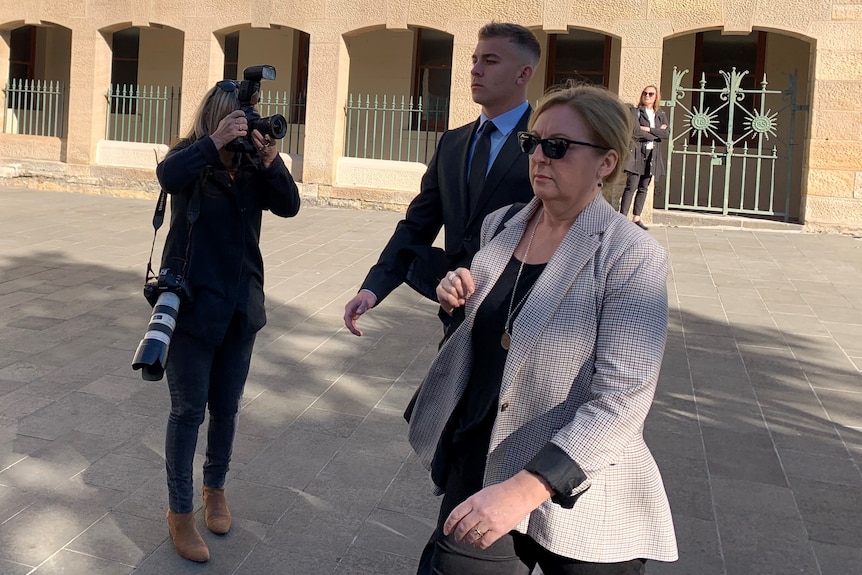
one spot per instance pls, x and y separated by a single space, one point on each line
225 271
638 152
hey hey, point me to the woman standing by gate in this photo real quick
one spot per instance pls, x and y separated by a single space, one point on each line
645 159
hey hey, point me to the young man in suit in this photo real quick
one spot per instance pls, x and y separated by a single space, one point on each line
476 169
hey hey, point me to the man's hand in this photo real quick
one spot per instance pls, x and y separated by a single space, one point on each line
361 303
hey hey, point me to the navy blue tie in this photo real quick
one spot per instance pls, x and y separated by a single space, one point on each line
481 155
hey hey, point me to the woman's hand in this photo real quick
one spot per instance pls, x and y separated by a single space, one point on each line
265 147
495 510
454 289
230 128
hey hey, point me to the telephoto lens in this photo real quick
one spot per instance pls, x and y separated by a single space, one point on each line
152 353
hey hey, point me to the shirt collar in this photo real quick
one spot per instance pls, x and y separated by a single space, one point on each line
506 121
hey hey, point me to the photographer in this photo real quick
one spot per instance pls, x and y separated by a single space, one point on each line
217 200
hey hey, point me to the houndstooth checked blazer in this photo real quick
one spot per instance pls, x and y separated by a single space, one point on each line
581 372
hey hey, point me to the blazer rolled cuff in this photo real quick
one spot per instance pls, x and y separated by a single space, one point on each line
564 476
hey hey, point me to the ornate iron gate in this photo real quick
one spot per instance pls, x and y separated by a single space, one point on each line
726 152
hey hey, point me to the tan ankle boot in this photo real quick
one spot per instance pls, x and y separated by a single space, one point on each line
217 514
187 540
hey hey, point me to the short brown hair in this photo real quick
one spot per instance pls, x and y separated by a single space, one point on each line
606 116
522 37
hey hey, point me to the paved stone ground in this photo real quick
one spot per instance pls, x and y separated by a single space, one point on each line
757 424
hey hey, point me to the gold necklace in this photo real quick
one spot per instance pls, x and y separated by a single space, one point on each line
506 338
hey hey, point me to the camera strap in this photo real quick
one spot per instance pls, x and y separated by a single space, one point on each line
193 210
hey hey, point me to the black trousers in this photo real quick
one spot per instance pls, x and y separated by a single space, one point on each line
203 377
512 554
636 185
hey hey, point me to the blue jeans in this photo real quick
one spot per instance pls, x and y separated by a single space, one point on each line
202 375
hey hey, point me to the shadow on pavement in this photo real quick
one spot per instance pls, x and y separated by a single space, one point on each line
756 432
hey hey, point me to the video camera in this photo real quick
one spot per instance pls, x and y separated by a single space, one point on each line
274 126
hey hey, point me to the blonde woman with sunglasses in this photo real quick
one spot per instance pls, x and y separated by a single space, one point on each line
217 200
645 159
531 416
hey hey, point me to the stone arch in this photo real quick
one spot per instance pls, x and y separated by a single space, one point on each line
403 78
287 50
582 54
144 68
782 59
36 66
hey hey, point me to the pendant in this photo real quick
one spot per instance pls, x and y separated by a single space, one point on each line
505 340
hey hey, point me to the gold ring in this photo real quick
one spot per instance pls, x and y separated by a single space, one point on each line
478 533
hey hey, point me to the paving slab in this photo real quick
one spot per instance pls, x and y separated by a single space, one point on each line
756 425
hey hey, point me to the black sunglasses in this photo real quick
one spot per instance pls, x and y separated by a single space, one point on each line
648 93
227 85
553 148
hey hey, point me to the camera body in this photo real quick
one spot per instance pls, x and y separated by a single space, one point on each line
168 281
165 293
274 126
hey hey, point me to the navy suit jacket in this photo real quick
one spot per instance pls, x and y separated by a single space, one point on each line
443 201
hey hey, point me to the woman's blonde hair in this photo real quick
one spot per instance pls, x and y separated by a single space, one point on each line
217 104
657 100
605 115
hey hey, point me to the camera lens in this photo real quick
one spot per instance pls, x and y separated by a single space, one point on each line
152 353
278 126
274 126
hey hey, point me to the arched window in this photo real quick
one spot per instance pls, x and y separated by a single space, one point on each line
124 67
714 53
432 76
581 56
22 53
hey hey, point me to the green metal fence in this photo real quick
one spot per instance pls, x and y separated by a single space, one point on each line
151 114
35 108
293 109
394 128
732 148
146 114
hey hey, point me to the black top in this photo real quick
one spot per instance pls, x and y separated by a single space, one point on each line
225 267
466 438
482 393
472 421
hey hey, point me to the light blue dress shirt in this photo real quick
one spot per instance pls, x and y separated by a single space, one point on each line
505 123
